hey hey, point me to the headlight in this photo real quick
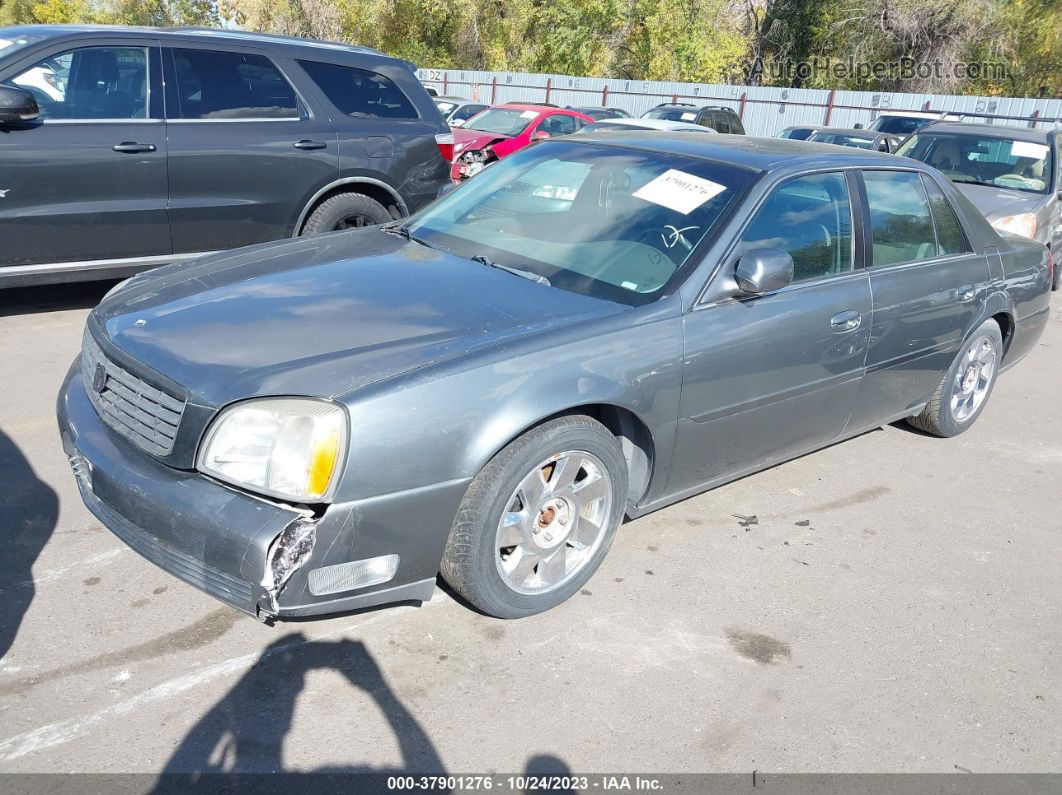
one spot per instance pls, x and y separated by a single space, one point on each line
289 448
1023 224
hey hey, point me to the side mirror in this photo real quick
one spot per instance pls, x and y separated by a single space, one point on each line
17 104
762 270
541 135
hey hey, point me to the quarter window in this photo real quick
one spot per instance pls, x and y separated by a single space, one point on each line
811 219
212 84
900 221
950 239
358 92
89 83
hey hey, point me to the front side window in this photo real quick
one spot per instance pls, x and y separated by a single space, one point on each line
901 225
359 92
467 112
89 83
950 239
984 160
598 220
810 218
559 124
218 85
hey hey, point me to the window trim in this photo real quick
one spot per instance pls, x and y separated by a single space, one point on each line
154 103
304 111
855 206
869 244
951 208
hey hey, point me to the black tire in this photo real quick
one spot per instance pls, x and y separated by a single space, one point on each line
939 416
469 560
345 211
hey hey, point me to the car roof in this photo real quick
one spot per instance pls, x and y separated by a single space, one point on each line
190 34
853 131
990 130
652 124
757 154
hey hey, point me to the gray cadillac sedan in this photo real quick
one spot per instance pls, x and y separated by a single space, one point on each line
593 328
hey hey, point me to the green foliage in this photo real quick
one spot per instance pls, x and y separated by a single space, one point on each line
738 41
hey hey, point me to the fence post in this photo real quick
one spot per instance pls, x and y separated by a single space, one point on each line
446 83
494 91
549 87
674 99
604 96
829 107
741 107
1033 117
925 107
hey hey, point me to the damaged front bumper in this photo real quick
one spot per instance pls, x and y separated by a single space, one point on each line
256 555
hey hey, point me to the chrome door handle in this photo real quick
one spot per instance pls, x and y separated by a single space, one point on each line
846 321
306 144
967 292
133 147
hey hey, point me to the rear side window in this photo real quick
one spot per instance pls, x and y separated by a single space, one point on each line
900 221
810 218
360 93
950 239
89 83
231 85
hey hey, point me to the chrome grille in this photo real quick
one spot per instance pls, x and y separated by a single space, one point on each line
143 414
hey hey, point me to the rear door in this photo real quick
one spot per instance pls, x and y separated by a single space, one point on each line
767 377
87 180
929 286
247 150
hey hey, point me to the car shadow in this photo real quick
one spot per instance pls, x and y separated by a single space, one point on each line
29 510
52 298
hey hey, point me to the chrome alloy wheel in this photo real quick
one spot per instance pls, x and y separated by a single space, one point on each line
974 377
554 522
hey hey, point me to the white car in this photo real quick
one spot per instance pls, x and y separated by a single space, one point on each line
665 125
44 79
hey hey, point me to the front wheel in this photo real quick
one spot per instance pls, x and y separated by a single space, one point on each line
961 397
539 518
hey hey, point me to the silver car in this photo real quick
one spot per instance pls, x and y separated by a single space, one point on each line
595 327
1010 173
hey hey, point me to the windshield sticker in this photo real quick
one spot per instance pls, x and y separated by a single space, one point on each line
689 116
529 114
679 191
1028 149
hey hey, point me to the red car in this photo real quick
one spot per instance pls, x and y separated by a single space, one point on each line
499 131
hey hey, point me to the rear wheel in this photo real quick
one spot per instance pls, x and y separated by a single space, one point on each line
538 519
961 396
345 211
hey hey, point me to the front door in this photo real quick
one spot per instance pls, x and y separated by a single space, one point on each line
768 377
86 180
245 151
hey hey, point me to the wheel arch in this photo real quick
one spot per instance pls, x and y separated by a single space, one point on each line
633 433
374 188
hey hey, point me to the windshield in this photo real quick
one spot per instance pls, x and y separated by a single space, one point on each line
596 220
445 107
502 121
898 125
9 45
672 114
842 139
984 160
799 134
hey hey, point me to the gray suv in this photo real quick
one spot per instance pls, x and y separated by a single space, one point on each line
126 148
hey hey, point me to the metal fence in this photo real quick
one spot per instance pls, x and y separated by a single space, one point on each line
763 110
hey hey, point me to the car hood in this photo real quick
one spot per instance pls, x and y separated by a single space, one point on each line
324 315
995 203
466 140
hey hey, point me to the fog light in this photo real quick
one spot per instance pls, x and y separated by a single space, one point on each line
355 574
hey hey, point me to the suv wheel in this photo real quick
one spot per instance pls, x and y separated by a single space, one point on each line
345 211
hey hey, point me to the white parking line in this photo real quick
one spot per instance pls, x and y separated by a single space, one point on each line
66 730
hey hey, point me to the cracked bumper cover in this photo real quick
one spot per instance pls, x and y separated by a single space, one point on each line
218 539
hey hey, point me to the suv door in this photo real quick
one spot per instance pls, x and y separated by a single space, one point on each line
767 377
246 149
929 287
86 181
